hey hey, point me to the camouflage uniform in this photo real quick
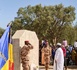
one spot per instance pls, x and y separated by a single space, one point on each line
24 56
47 54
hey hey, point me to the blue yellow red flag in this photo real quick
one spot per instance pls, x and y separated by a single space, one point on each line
9 65
4 41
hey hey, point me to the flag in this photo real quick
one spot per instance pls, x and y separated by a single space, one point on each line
4 47
9 65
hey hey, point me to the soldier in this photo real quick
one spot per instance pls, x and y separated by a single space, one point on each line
24 55
47 54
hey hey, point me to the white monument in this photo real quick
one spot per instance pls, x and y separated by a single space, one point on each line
18 42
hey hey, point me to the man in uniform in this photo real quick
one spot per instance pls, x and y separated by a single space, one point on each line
24 55
47 54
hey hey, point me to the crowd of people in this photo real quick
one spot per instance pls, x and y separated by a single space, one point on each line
61 55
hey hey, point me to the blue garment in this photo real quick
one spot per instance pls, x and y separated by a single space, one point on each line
70 48
53 53
4 47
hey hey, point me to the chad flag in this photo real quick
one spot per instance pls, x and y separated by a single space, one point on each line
4 47
9 64
6 51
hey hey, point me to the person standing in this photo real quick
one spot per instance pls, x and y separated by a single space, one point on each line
42 56
70 47
75 45
42 52
64 53
59 58
47 54
24 55
73 55
53 53
65 42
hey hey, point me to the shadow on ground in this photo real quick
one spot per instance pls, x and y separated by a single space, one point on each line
68 68
72 67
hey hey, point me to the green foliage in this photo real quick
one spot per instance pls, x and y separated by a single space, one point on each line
75 28
1 32
68 34
48 22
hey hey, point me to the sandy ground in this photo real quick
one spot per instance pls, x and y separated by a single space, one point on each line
51 68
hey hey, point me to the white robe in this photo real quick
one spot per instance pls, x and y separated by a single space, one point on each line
60 60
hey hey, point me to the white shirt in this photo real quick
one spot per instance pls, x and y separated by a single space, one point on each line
75 44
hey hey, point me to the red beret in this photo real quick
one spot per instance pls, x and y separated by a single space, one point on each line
26 41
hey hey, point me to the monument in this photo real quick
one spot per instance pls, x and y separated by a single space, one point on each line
25 50
18 42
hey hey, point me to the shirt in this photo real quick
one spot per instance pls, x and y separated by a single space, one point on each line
75 44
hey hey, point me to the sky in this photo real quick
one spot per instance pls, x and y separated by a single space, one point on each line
9 8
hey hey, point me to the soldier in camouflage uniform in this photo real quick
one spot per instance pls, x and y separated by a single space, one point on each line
24 55
47 54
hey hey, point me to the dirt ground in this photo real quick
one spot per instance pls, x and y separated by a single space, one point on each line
51 68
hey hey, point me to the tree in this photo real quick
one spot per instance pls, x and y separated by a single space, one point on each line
48 21
75 28
68 34
1 31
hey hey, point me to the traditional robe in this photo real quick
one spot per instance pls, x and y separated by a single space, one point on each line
73 55
59 60
42 56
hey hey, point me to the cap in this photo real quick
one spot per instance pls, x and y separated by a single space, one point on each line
59 44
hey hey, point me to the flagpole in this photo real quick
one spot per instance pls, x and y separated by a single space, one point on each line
10 33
